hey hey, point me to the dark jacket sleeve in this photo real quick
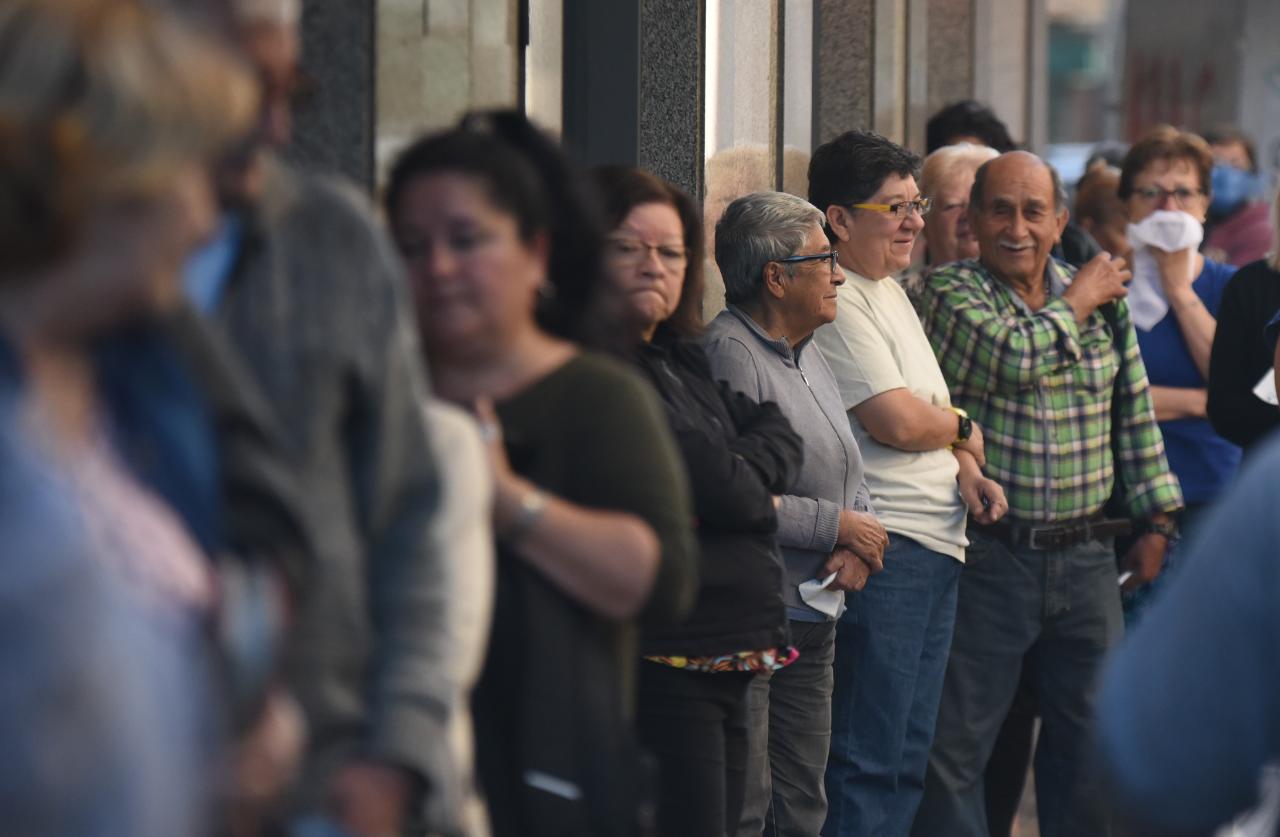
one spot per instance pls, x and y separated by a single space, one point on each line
1234 411
262 518
630 463
766 440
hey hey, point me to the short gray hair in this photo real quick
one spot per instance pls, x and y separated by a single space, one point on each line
756 229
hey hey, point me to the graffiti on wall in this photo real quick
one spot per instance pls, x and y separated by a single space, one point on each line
1166 88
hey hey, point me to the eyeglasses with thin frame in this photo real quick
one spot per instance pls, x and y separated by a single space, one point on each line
831 257
898 210
1155 194
630 252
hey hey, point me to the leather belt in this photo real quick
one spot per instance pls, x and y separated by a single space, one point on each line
1056 536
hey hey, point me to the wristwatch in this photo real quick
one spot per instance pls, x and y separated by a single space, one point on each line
965 429
1150 527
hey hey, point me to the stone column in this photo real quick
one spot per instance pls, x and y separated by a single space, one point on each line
950 39
842 67
334 127
671 91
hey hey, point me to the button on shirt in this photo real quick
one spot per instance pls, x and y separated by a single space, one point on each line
875 345
1041 386
831 478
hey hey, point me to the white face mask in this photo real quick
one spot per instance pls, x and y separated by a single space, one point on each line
1167 230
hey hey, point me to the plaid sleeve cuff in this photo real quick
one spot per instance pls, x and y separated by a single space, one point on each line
1162 494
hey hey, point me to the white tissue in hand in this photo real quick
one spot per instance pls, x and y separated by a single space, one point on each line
817 595
1165 230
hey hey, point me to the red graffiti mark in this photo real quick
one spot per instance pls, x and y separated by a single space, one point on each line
1156 93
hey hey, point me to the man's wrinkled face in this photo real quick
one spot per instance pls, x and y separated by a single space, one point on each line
1018 222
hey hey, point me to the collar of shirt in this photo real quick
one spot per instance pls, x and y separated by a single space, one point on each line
781 345
1057 276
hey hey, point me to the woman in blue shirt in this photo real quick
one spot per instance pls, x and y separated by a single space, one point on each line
1170 170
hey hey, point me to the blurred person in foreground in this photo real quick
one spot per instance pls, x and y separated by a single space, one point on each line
109 115
781 279
591 510
1239 229
924 470
95 690
301 281
1045 358
1242 357
1189 711
740 454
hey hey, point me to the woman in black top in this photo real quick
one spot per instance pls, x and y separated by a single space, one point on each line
739 454
1241 354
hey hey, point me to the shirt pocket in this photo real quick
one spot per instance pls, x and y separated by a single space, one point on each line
1095 372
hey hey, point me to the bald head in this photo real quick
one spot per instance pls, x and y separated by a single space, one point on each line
1022 162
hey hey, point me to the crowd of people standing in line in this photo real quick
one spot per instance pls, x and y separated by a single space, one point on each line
463 521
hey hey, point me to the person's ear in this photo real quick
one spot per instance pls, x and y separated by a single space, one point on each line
775 280
1064 215
839 222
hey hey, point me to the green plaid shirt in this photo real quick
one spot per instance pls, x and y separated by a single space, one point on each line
1041 387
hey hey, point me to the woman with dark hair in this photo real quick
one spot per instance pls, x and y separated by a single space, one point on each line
591 507
692 709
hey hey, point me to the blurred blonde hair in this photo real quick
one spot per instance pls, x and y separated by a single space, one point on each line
102 99
943 163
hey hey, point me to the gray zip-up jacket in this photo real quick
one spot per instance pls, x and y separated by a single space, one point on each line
831 478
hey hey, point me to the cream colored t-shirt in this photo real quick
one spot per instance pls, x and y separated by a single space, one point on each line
877 344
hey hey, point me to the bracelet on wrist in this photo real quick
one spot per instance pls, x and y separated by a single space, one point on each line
964 427
532 506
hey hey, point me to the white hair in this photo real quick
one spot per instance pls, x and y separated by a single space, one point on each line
274 12
946 162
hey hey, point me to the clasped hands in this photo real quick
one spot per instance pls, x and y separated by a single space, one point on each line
859 552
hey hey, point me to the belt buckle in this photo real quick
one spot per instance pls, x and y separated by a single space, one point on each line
1046 538
1033 538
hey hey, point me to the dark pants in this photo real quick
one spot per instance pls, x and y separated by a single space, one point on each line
788 738
1006 772
695 723
1064 608
891 654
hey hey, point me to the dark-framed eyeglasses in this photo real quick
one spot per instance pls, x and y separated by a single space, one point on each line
831 257
1155 194
898 210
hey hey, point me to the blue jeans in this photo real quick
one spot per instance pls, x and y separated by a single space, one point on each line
1063 608
891 654
788 735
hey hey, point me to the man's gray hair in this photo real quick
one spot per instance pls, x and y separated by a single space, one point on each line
756 229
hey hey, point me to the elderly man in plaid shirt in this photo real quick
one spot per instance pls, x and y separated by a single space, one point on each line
1046 360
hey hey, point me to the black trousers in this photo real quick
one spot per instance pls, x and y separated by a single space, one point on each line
695 725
